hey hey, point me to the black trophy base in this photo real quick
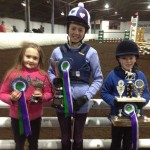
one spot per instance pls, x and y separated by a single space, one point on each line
35 99
58 103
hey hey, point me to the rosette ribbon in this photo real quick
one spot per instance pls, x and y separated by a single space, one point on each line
130 110
21 85
67 102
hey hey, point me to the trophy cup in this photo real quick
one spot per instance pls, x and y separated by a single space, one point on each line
129 89
138 87
120 89
38 85
58 89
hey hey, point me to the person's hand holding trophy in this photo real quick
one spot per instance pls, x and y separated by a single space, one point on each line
37 95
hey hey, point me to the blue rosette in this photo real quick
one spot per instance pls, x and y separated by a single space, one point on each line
61 61
129 108
21 85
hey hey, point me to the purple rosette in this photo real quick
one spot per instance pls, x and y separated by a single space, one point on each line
129 110
21 85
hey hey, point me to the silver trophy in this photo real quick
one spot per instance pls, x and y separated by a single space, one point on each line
120 87
38 85
138 87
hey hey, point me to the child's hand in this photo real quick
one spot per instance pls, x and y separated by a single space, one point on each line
38 93
58 82
15 95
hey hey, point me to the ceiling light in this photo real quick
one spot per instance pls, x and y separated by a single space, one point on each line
48 1
116 12
23 3
148 6
62 13
106 6
89 1
120 18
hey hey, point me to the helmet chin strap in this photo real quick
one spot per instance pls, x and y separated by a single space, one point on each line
73 43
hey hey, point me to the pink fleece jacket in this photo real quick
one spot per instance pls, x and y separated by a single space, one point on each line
35 110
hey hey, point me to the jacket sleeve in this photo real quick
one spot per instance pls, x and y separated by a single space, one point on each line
145 93
97 75
5 92
107 90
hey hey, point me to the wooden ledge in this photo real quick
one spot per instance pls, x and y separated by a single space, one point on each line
126 122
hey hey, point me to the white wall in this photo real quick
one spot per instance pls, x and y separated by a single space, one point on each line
16 22
13 40
110 33
20 24
61 29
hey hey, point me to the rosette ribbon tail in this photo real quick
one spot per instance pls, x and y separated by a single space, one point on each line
68 104
135 130
24 114
129 110
21 128
67 95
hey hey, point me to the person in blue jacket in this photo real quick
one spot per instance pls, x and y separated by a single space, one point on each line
85 76
127 53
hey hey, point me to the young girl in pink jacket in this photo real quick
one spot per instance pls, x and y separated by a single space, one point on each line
25 88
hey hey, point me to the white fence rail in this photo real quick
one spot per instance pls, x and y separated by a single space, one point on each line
88 144
53 122
11 40
94 103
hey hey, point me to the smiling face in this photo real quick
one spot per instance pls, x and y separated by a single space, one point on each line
76 33
127 62
31 58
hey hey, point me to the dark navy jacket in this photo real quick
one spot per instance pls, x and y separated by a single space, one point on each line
80 70
109 90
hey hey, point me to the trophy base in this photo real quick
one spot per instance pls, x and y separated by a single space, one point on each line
133 99
57 103
126 122
35 99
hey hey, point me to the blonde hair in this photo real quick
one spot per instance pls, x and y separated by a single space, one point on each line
26 45
17 69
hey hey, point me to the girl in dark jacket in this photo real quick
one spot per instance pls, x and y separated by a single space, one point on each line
127 53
